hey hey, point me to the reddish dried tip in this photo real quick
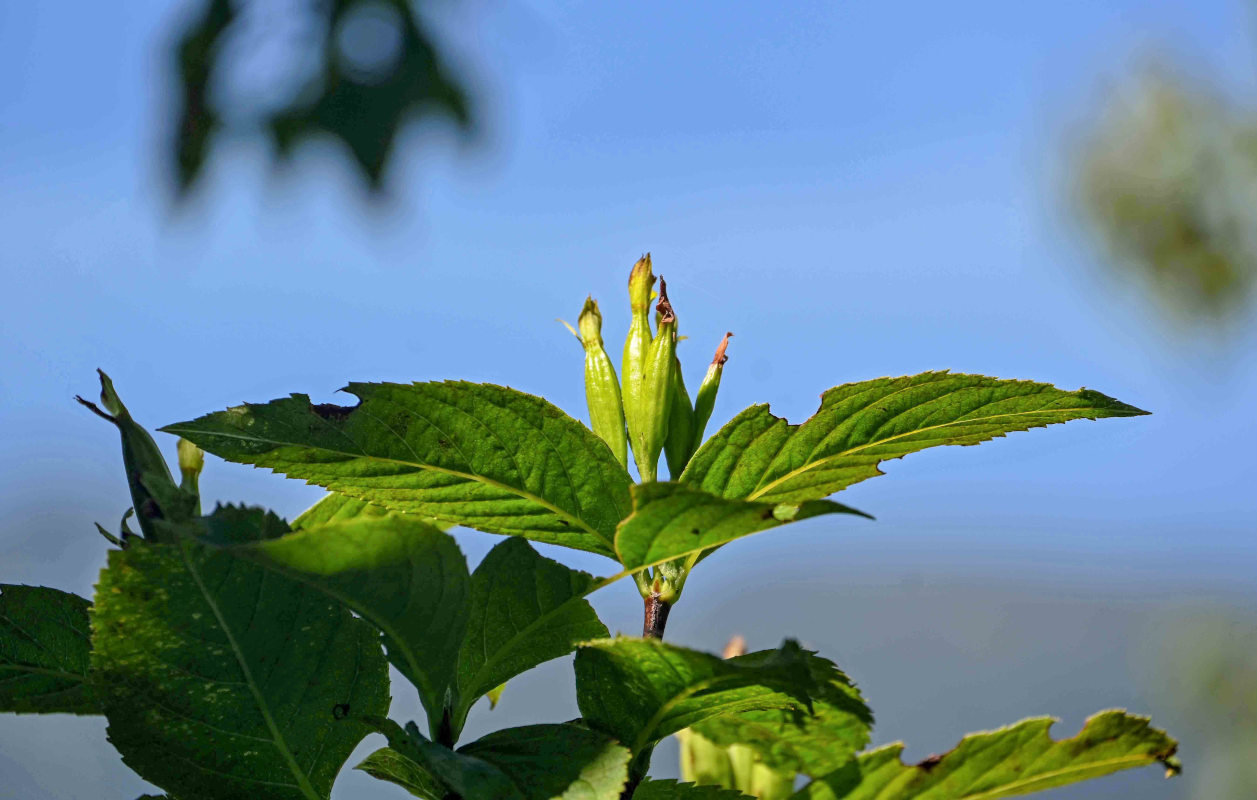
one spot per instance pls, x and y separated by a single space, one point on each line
664 307
735 647
720 358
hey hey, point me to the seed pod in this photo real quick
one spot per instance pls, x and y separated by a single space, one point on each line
636 350
659 383
705 401
602 388
150 480
679 445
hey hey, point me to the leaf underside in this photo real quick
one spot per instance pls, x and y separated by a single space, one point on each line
1016 760
45 652
794 741
479 455
341 508
403 576
672 520
533 762
221 679
758 456
525 610
640 690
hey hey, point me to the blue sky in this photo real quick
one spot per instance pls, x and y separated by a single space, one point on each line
855 190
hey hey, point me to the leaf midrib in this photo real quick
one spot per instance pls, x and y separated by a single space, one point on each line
567 515
818 462
277 738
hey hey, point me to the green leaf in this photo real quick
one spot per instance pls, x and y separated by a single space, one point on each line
223 680
525 610
403 576
758 456
555 761
45 651
479 455
387 764
673 790
641 690
793 740
1016 760
534 762
339 508
671 520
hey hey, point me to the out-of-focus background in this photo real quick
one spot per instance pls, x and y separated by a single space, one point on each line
219 202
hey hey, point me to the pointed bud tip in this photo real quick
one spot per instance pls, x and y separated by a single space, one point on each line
735 647
641 281
590 322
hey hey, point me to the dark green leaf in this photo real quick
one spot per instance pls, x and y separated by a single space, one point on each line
795 741
45 651
479 455
1016 760
535 762
221 679
671 520
339 508
758 456
672 790
640 690
525 610
387 764
403 576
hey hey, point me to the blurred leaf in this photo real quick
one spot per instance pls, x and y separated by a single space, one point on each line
219 676
361 103
641 690
1016 760
758 456
1168 176
479 455
45 652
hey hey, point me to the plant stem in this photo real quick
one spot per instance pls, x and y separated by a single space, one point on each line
656 616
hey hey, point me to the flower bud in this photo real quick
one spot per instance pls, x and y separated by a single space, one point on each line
191 462
658 385
636 350
602 388
705 401
147 473
679 445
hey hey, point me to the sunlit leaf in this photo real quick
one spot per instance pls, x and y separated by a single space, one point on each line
1011 761
758 456
479 455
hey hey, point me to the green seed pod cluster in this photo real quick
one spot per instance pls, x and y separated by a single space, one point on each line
705 401
602 388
